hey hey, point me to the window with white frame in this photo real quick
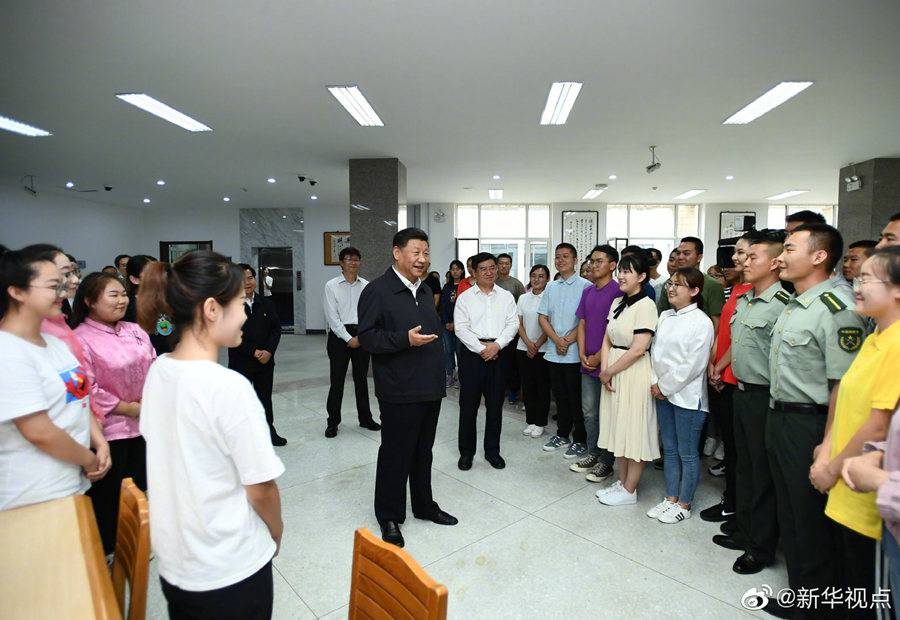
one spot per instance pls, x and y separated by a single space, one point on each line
778 213
522 231
659 226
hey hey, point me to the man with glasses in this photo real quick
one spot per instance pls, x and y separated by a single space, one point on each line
341 303
485 321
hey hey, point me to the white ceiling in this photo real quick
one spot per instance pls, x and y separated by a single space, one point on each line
460 86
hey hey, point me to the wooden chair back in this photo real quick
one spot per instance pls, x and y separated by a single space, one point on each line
388 584
132 556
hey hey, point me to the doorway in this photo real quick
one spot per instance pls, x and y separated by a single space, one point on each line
275 281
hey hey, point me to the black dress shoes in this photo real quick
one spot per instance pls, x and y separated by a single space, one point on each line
331 431
440 517
465 462
749 564
372 425
729 542
774 608
390 533
728 527
277 440
495 460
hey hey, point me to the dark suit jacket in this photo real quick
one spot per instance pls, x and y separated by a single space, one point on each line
261 330
386 312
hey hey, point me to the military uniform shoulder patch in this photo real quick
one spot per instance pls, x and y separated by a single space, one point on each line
782 296
832 302
850 338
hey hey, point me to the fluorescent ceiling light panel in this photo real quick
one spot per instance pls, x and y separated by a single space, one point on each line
689 194
559 102
21 128
158 108
788 194
770 99
360 207
593 193
356 104
495 194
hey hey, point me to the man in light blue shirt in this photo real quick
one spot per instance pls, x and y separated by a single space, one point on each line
556 315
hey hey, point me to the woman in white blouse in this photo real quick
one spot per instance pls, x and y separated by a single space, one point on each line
532 367
679 356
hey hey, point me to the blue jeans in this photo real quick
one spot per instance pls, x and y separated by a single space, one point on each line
591 388
450 343
680 432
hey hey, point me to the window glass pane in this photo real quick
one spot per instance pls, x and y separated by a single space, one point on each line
652 220
539 220
688 222
827 211
401 217
616 221
467 221
502 220
665 246
507 246
466 248
775 218
538 255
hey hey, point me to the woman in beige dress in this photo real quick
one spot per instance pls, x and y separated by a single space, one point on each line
627 411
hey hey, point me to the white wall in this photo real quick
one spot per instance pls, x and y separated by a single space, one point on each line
219 224
316 221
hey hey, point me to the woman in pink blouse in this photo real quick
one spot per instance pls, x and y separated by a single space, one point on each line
118 355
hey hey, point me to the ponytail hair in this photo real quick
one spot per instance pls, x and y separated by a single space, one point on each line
178 290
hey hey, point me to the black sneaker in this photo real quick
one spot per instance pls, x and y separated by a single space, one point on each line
717 470
718 513
658 464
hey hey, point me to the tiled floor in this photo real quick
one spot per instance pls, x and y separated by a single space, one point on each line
532 541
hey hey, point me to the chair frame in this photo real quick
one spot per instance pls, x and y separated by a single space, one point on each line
132 557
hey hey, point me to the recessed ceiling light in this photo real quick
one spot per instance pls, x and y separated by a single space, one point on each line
594 192
70 184
390 222
356 104
496 177
160 182
730 177
788 194
560 100
313 197
495 194
146 201
689 194
270 180
226 199
21 128
158 108
613 177
770 99
360 207
284 217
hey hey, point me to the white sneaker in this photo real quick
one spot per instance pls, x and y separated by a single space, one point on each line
537 431
709 447
619 497
660 508
720 452
675 514
615 486
528 429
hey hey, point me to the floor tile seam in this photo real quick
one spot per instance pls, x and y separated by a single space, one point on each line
320 478
475 542
639 563
294 590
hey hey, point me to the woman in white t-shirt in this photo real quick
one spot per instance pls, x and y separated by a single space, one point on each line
46 425
532 367
215 516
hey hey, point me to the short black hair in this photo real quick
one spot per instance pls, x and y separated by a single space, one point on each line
482 257
895 217
402 237
825 237
71 258
655 256
611 252
751 235
109 267
348 251
868 246
503 255
806 217
120 257
698 244
769 237
245 267
567 246
633 249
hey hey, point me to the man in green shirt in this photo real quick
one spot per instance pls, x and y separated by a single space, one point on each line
690 254
814 341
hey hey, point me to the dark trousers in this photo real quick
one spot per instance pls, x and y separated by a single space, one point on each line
535 373
250 599
807 535
129 460
480 379
856 558
722 407
757 521
511 368
339 357
262 378
407 437
565 381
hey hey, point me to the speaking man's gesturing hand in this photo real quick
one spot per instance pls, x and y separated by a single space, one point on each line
417 339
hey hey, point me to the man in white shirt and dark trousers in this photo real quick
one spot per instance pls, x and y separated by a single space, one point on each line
485 321
341 300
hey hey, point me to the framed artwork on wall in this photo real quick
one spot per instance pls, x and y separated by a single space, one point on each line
171 251
334 242
581 229
735 223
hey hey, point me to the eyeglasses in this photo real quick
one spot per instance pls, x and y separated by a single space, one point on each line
671 284
61 289
598 261
861 281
